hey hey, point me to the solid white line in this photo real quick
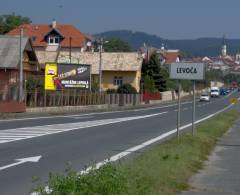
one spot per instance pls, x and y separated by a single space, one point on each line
92 113
147 143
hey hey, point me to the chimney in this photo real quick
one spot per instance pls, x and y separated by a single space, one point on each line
54 23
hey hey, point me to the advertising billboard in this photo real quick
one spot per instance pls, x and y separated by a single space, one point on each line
50 74
67 76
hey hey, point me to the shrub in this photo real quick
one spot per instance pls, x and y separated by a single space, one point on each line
109 91
126 89
149 84
34 82
107 180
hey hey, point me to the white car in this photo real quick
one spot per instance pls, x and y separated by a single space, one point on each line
215 91
204 98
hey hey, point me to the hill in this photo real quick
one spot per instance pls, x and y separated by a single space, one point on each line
197 47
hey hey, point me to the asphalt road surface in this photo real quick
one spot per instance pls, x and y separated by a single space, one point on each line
83 139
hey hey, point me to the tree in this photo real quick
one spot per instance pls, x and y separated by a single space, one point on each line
34 82
116 45
10 22
148 84
230 78
213 75
157 72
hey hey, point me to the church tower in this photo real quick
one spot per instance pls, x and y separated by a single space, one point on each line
224 47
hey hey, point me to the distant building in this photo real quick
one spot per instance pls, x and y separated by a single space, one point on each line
49 39
10 60
117 68
224 47
166 56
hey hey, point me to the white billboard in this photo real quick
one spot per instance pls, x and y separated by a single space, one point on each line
187 71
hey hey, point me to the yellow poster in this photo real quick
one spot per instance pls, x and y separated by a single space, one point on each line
50 73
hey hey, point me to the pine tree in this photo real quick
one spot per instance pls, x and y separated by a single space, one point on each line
158 73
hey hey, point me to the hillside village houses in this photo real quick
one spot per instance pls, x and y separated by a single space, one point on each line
166 56
10 60
56 42
223 62
9 70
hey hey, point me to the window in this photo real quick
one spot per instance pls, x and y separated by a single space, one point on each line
118 81
34 38
53 40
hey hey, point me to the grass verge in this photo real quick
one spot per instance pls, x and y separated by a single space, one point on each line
162 170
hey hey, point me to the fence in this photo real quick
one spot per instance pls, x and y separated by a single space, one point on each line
9 96
9 92
147 96
42 98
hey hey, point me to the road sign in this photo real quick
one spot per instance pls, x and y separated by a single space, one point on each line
233 101
187 71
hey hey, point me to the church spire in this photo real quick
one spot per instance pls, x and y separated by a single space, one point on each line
224 46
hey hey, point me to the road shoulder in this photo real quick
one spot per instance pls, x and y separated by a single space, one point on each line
221 174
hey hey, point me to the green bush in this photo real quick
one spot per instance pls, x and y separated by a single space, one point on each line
34 82
94 86
107 180
126 89
109 91
149 84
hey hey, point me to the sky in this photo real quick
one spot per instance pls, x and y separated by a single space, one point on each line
170 19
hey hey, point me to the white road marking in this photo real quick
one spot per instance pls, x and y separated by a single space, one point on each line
17 134
33 159
92 113
147 143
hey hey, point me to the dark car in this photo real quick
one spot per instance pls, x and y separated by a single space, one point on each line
223 91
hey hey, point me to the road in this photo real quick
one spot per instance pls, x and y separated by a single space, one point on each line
83 139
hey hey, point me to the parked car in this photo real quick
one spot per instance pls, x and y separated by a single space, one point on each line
204 98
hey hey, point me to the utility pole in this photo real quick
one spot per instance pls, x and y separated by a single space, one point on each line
100 64
20 67
70 50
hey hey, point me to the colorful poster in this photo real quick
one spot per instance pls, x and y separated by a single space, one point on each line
50 74
73 76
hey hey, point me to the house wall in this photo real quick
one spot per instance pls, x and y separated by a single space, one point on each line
130 77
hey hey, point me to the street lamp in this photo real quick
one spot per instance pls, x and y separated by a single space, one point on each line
101 42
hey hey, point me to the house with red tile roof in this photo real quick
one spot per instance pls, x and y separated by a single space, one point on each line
49 39
171 56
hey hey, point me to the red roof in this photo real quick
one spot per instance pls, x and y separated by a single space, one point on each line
171 57
40 30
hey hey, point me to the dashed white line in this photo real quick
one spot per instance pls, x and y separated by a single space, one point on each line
10 135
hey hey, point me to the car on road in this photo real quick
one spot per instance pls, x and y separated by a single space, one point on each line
223 91
215 91
204 98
